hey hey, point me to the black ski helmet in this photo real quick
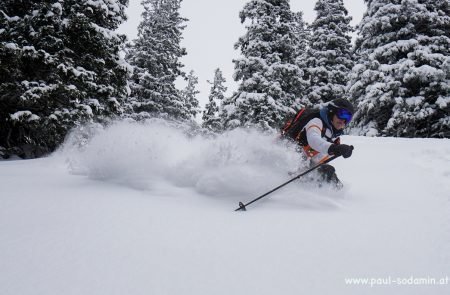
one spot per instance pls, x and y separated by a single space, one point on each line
341 103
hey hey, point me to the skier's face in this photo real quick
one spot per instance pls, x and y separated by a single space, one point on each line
339 124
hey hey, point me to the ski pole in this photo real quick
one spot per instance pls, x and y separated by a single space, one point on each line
243 206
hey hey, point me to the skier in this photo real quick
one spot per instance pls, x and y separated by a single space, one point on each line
317 133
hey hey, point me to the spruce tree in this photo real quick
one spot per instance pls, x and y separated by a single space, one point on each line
270 78
228 113
155 56
211 120
190 95
60 66
301 44
329 57
401 82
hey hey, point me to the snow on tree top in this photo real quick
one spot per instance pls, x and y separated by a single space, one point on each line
24 115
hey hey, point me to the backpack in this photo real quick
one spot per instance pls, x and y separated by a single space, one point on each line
293 128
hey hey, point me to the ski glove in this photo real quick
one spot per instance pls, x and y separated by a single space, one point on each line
340 150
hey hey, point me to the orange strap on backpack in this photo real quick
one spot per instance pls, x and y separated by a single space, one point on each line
290 122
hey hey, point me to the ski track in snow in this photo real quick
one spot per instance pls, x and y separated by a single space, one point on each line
143 209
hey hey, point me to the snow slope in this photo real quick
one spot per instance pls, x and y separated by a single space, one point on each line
143 209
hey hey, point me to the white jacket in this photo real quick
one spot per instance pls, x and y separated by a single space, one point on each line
318 146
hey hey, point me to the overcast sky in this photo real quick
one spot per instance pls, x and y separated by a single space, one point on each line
213 29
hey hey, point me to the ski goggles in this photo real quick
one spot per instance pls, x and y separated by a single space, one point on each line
344 114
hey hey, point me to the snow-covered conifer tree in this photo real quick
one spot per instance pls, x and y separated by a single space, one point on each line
60 66
155 56
401 83
190 95
329 57
270 78
211 120
302 36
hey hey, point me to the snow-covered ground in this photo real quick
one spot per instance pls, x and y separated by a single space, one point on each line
143 209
